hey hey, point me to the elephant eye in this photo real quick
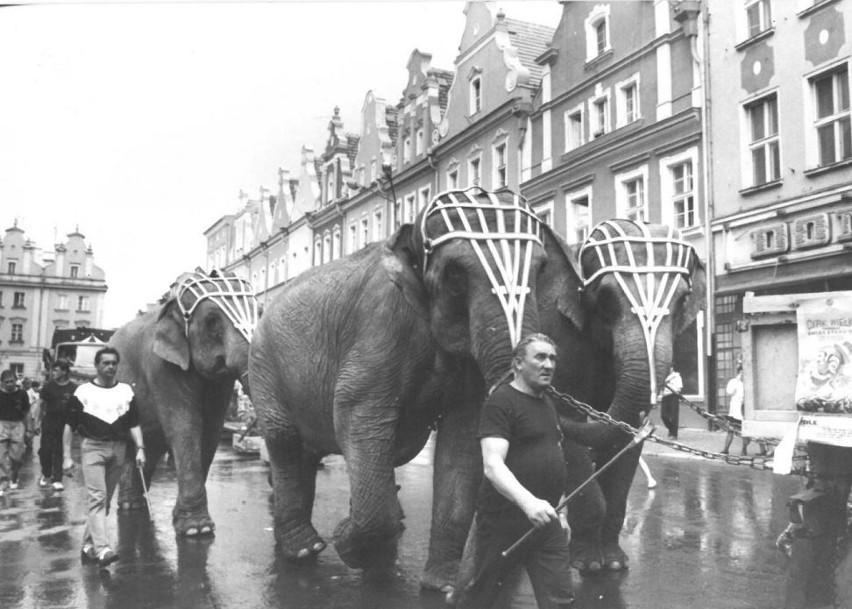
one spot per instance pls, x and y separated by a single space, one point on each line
455 280
213 324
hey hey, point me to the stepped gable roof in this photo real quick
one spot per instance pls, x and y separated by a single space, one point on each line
445 81
393 125
530 40
352 147
294 187
318 168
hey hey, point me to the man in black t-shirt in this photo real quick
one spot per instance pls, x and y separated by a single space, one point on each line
14 407
54 399
524 477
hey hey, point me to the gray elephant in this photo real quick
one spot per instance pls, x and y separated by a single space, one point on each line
182 361
614 309
366 355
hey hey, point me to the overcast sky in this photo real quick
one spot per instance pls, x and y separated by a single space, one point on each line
140 123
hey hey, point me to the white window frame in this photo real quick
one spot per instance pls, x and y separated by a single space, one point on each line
364 232
409 208
571 219
372 171
423 197
764 17
63 302
667 187
572 140
601 95
83 304
621 115
621 195
812 142
378 216
17 333
418 142
750 145
453 177
326 247
475 94
335 243
545 212
406 149
496 169
317 250
329 183
471 163
352 240
598 13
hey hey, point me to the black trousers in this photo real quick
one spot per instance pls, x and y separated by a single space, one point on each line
670 414
50 451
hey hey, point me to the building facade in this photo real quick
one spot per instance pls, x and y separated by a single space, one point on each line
781 155
42 292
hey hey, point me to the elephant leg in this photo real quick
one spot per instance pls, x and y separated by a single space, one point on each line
615 484
293 471
456 478
367 538
586 511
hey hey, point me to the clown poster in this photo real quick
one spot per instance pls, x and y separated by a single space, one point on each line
825 356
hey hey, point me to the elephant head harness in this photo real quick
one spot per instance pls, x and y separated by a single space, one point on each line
649 285
230 293
509 238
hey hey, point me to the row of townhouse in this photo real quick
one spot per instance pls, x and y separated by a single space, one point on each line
728 120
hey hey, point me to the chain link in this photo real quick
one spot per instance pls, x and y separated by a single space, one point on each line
761 463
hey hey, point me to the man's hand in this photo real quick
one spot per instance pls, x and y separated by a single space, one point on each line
539 512
140 457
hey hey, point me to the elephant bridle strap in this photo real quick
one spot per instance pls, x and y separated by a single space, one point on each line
510 240
230 293
649 285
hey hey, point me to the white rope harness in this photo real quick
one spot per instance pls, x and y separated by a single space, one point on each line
511 246
653 283
230 293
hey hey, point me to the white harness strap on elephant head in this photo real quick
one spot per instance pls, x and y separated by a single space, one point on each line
510 245
653 283
230 293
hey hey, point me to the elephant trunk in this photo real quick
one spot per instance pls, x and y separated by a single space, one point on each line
492 348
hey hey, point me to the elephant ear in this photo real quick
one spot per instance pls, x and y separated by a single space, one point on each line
563 270
170 342
695 301
402 262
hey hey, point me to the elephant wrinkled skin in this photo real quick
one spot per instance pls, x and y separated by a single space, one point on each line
183 384
361 357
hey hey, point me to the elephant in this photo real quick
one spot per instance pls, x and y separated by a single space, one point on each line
182 361
367 354
614 308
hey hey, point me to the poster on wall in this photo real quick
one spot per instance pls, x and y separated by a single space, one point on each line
825 356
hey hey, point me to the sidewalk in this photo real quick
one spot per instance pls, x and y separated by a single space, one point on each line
692 432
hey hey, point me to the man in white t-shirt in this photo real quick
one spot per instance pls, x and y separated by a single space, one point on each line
103 412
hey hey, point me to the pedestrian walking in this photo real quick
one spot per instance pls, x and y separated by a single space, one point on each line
34 415
14 408
736 390
524 477
103 411
670 409
54 399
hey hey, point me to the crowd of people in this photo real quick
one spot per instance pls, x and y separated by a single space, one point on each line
102 412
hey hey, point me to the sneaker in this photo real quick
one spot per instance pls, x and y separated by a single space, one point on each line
43 482
13 486
88 556
58 486
4 488
107 557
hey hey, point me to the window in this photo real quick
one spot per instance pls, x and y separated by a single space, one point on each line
377 225
579 215
1 300
683 186
372 171
317 251
630 195
627 102
326 248
20 300
18 369
335 243
418 141
473 172
406 150
452 179
409 209
365 231
353 238
499 166
597 32
63 302
75 271
17 333
599 114
10 267
763 144
330 194
574 129
397 214
475 95
831 100
423 199
758 17
544 211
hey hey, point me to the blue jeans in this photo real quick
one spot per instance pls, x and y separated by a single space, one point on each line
11 449
103 462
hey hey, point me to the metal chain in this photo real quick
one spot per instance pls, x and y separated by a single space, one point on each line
761 463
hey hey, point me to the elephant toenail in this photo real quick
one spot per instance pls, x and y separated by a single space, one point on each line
303 553
319 546
192 532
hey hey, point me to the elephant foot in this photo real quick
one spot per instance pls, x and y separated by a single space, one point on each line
615 558
440 578
376 551
299 543
189 524
586 557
